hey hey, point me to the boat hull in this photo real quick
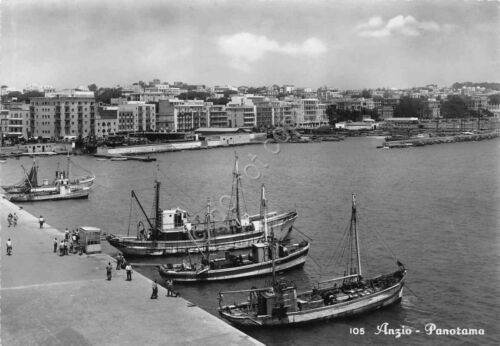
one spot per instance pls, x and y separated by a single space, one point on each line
350 308
131 246
49 197
293 260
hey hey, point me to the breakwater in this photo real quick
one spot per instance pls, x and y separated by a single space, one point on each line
418 142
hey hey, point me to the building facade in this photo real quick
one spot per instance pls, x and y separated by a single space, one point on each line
59 116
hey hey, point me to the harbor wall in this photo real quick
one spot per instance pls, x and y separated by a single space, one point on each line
211 142
48 299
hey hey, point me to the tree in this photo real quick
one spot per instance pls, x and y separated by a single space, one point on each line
454 107
494 99
409 108
105 95
366 94
92 87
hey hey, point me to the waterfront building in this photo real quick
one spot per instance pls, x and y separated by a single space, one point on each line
270 113
190 115
106 122
58 115
165 116
136 116
217 115
310 113
241 112
18 121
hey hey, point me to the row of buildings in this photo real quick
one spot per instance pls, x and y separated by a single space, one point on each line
78 114
157 107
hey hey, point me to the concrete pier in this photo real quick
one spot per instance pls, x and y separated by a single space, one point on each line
47 299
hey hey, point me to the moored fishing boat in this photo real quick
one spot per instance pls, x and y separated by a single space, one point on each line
29 184
261 261
348 295
63 192
170 232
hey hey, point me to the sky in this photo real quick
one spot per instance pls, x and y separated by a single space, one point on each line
308 43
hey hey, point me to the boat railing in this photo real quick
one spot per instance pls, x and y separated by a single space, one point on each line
337 279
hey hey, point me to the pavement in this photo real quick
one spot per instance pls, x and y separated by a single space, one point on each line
47 299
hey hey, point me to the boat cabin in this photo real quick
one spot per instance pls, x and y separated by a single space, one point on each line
173 219
277 304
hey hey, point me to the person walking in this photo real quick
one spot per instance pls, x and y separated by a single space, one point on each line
55 244
41 221
9 219
9 246
14 220
154 295
128 268
108 271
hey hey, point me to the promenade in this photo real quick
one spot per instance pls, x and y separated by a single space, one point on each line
47 299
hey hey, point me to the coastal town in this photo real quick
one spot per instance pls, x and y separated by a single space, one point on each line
160 112
224 172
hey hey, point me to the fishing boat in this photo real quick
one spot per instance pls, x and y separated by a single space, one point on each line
259 261
63 191
348 295
30 184
170 232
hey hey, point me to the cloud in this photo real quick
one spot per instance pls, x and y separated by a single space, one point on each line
245 48
399 25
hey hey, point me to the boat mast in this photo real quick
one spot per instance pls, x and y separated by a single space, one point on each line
354 228
266 232
67 168
157 210
207 222
236 175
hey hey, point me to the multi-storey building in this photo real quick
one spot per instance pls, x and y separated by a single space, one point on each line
273 113
59 116
18 120
106 122
190 115
241 112
310 112
136 116
165 117
217 115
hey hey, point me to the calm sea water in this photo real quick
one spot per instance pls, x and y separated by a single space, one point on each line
436 208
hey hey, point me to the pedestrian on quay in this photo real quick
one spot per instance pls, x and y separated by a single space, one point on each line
170 288
108 271
9 246
66 234
9 219
128 268
119 261
154 295
61 248
41 221
55 244
66 247
14 220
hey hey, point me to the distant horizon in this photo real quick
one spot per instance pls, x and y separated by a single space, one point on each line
339 44
250 86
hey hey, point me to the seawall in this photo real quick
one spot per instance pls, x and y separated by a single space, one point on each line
47 299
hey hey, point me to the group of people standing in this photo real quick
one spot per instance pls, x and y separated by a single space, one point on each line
69 244
12 220
121 263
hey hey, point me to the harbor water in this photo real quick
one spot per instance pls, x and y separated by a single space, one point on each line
434 208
